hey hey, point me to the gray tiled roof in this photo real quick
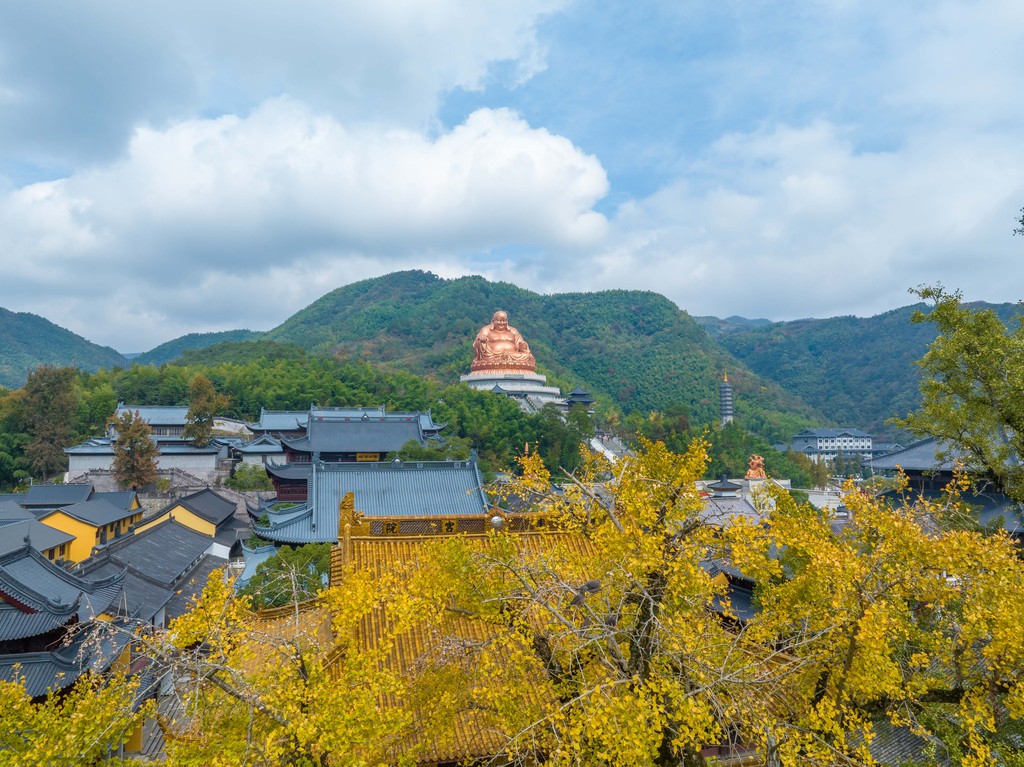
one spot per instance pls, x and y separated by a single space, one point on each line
186 448
156 414
357 435
900 745
207 505
93 649
292 420
123 499
723 510
140 598
254 557
42 537
190 588
13 497
56 495
162 553
94 446
96 513
428 489
990 507
40 596
13 512
280 420
426 420
262 445
918 456
289 470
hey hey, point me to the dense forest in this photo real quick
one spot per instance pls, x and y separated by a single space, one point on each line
647 363
27 341
173 349
636 351
60 406
858 370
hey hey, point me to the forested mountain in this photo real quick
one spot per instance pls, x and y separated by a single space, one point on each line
28 340
634 350
637 349
860 371
172 350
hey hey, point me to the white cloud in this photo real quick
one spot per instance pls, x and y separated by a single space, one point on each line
202 212
78 78
794 222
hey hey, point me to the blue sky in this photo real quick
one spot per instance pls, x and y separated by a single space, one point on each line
190 167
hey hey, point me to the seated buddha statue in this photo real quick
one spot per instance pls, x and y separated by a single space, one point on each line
500 347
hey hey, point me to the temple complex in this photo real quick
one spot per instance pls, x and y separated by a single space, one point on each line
504 364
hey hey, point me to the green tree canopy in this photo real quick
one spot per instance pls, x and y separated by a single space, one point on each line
291 575
48 412
973 388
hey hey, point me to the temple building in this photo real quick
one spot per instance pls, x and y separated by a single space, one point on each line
398 497
40 603
164 567
345 435
343 451
503 364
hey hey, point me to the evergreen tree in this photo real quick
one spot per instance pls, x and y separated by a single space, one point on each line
49 406
135 452
973 388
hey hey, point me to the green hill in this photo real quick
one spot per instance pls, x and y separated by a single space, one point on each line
635 349
172 350
28 340
858 370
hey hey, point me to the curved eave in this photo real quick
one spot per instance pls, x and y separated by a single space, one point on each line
300 444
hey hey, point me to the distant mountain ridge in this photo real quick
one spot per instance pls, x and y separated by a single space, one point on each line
858 370
173 349
635 349
28 341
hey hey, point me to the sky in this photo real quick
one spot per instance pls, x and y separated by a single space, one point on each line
192 166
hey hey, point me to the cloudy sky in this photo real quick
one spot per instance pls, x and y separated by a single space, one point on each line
193 166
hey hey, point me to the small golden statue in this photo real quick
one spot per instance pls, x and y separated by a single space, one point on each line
755 469
499 347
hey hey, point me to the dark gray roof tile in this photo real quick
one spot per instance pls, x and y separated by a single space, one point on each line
92 649
161 553
56 495
96 512
40 596
42 537
208 505
13 512
357 435
186 592
426 489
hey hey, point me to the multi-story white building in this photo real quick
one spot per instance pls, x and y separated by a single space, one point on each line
829 444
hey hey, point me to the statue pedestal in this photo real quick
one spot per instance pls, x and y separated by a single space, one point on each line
529 389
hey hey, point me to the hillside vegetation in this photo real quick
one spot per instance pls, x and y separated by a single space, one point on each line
858 370
635 350
172 350
28 341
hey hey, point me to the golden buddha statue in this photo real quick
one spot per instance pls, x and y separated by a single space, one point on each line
499 347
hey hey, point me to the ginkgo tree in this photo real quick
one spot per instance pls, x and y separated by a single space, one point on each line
600 637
